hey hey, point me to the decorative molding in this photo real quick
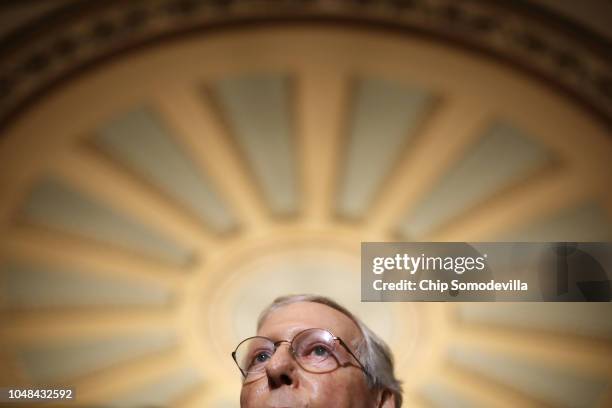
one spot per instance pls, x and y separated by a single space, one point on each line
64 44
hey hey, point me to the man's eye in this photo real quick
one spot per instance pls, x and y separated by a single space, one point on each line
261 358
320 351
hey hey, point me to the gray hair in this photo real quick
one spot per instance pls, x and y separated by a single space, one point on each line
374 354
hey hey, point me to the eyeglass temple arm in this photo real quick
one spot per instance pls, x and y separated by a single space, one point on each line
351 353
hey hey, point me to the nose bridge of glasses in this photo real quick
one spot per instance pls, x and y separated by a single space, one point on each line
279 343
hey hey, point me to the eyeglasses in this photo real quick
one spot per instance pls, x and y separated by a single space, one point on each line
315 350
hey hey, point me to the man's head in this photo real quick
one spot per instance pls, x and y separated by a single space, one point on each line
358 372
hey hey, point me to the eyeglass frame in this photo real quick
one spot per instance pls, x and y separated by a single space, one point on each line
276 344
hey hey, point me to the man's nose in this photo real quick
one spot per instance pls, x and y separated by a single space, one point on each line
281 369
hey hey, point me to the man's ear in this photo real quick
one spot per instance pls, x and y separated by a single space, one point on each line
385 399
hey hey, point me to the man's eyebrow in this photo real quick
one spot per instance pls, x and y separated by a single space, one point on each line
291 333
275 336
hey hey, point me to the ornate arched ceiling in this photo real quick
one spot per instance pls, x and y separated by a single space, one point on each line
553 42
155 202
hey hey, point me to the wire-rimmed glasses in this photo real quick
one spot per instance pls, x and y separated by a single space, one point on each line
315 350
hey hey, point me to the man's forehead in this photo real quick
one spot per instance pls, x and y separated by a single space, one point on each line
288 320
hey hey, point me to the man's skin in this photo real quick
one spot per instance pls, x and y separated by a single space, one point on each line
285 384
